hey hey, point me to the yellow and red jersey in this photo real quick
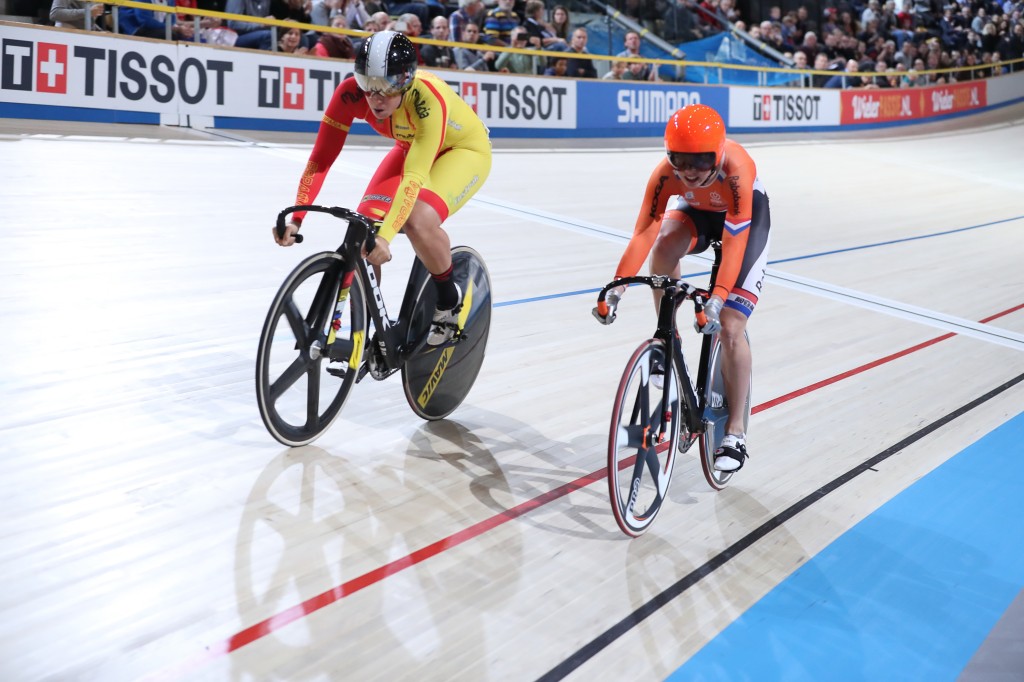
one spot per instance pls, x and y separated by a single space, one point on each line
431 120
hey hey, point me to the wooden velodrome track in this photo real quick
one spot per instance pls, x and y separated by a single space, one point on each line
152 529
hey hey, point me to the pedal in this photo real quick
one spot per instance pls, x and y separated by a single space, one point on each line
337 371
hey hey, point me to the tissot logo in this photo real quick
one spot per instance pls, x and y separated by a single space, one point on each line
282 88
22 60
471 94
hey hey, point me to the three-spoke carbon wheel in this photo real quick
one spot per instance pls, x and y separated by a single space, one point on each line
716 415
643 441
310 349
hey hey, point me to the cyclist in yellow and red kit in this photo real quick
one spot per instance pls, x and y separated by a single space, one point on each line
706 189
441 157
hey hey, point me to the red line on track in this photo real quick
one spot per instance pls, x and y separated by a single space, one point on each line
275 622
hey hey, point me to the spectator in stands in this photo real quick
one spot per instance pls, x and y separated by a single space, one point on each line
469 59
799 60
804 21
541 34
932 63
810 47
250 34
499 22
579 67
372 25
514 62
615 73
354 12
438 56
335 45
72 13
151 23
846 79
632 51
635 72
821 63
469 12
680 26
408 24
1012 46
560 22
290 41
559 67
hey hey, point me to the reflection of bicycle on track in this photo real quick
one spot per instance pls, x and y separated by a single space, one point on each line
315 343
659 410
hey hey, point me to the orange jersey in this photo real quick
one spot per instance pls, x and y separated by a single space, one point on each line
731 193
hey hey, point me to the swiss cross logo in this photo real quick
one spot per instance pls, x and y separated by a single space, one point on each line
766 108
294 88
52 68
471 93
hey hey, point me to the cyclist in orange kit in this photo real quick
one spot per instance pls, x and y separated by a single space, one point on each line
706 189
441 157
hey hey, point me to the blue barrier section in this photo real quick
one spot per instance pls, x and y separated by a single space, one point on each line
720 48
633 109
728 49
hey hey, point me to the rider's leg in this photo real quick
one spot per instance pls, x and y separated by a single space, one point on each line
434 248
677 237
736 364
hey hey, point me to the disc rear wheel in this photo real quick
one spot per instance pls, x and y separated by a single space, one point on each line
437 379
716 416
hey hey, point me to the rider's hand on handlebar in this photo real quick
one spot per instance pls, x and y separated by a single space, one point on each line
611 299
380 254
713 313
290 230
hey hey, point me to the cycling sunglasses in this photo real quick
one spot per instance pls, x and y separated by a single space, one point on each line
701 161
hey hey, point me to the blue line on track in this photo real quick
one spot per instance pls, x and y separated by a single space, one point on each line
581 292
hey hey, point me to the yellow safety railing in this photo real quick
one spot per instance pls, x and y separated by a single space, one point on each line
798 74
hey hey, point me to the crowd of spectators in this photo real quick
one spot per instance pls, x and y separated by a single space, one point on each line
901 47
864 43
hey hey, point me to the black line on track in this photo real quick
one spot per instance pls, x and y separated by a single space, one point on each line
596 645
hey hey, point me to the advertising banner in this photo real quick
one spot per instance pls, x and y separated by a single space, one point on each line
72 75
629 109
773 108
70 69
907 104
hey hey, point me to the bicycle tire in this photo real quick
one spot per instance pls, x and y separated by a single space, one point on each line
437 379
640 470
716 415
308 302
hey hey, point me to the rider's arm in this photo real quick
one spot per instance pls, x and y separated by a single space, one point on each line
344 106
740 176
428 115
648 222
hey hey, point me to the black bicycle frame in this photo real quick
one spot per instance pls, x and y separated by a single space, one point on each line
673 297
391 336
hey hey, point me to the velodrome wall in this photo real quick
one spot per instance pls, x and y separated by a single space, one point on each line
57 74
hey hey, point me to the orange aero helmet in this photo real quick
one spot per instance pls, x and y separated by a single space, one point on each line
695 133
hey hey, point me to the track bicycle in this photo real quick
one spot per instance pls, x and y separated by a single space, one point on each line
316 342
651 423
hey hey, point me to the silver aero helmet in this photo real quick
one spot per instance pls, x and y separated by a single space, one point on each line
386 63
